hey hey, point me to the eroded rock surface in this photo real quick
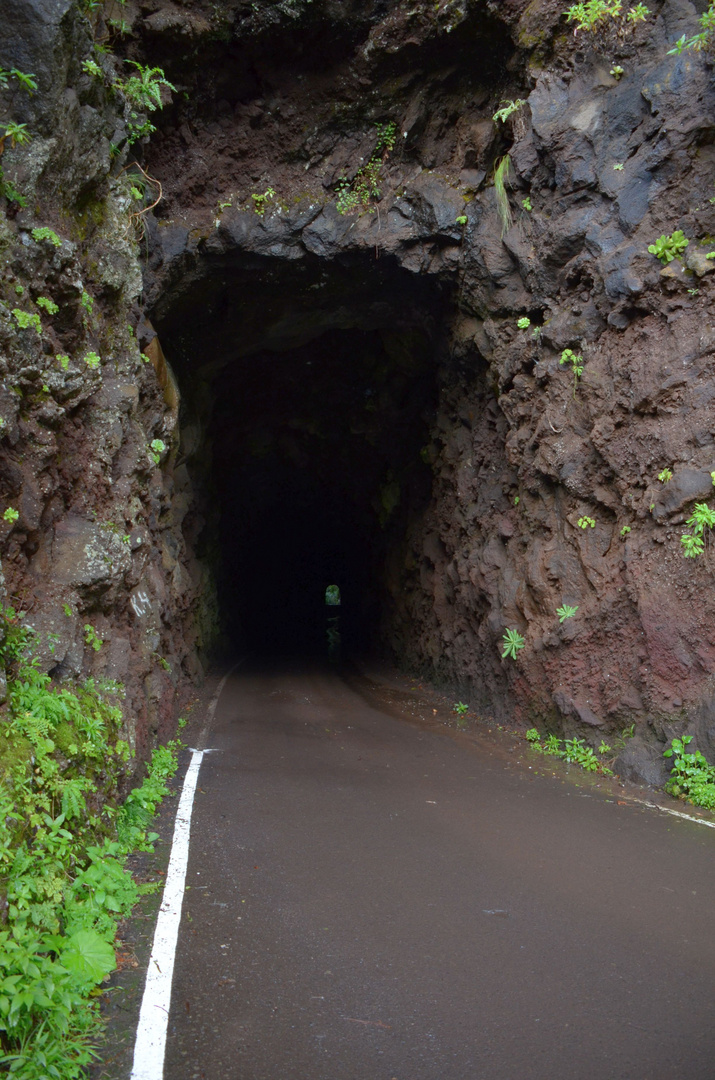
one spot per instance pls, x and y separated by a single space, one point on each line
475 506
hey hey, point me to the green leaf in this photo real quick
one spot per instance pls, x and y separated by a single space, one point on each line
88 955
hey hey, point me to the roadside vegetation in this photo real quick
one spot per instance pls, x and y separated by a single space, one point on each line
65 834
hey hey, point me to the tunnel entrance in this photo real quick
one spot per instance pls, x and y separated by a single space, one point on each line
314 417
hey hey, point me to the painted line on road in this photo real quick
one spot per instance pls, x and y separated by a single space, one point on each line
150 1045
154 1015
676 813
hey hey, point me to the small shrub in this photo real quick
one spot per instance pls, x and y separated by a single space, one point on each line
260 201
667 248
27 320
568 356
508 109
512 642
92 638
47 305
692 778
702 518
156 449
43 233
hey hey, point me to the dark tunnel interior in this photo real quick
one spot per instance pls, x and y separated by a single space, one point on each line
313 463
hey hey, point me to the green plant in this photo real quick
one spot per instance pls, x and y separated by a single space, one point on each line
616 71
568 356
11 515
702 518
526 203
512 642
460 708
87 302
16 133
691 778
27 320
524 322
516 500
665 475
618 167
501 178
259 201
575 751
701 40
63 360
591 14
365 186
143 92
91 67
625 529
92 360
156 449
508 109
48 305
64 839
461 220
667 248
586 522
566 611
25 81
43 233
92 638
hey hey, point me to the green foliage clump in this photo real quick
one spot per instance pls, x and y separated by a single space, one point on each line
702 518
701 40
667 248
508 109
592 14
47 305
64 839
366 184
93 360
568 356
143 93
260 201
586 523
665 475
575 751
27 320
43 233
512 642
156 449
566 611
11 515
691 778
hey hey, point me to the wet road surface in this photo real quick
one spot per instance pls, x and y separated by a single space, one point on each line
371 900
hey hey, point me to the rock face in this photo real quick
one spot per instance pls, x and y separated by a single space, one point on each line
366 367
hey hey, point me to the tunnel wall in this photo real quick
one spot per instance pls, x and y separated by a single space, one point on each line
546 489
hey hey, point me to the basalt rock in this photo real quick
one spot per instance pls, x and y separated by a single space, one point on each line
487 483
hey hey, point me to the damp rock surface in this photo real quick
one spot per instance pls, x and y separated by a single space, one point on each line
318 321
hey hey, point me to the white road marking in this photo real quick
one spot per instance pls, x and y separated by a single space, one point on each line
150 1045
677 813
154 1015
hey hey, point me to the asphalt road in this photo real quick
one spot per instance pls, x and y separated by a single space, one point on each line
371 900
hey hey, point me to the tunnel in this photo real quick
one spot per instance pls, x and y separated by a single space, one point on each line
307 395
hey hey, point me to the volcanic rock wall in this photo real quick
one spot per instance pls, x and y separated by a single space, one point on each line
545 488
